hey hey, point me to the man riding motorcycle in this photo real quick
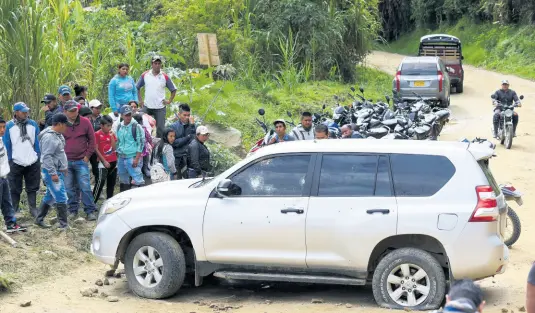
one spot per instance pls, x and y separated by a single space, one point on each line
505 96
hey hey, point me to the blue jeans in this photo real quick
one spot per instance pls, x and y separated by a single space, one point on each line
5 202
78 180
126 170
55 191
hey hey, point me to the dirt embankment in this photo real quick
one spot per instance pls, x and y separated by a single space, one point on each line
472 113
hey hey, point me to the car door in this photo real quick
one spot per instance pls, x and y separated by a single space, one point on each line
351 209
264 222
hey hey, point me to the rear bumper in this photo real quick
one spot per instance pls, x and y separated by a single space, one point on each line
454 80
476 259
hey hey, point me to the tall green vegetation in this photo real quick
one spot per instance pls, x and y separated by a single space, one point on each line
271 43
401 16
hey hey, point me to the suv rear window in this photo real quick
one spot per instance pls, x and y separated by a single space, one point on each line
417 175
419 69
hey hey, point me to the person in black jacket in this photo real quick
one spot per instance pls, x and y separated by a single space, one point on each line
185 132
198 154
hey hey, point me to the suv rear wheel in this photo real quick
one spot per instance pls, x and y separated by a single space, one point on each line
409 278
155 265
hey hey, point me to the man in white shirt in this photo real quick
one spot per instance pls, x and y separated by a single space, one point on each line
155 81
22 146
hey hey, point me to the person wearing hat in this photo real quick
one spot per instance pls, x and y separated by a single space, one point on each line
22 146
280 132
464 297
505 96
41 117
79 146
54 168
122 89
94 106
130 144
64 94
198 154
50 107
155 81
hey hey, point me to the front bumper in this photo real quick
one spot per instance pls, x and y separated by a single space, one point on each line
106 238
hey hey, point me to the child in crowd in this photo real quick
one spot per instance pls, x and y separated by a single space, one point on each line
106 144
163 152
147 150
5 195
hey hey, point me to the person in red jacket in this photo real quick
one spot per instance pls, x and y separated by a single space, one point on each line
79 146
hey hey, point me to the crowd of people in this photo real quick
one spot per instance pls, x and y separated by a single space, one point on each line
71 135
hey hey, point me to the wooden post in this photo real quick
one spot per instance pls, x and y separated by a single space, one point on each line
12 242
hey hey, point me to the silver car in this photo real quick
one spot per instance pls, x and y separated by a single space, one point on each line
425 76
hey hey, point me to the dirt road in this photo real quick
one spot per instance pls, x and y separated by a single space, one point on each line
471 117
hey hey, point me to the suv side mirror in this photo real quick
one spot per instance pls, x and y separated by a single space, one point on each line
224 188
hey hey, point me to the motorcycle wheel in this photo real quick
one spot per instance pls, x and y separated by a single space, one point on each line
501 135
508 137
512 228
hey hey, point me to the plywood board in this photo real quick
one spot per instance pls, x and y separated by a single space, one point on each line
208 50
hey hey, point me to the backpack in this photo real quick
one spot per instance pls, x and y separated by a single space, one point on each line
157 169
134 130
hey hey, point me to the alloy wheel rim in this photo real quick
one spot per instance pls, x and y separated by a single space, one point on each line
408 285
148 266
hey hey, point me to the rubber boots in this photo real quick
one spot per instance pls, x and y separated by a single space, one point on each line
40 218
32 204
62 214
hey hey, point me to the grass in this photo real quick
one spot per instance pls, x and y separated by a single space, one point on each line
238 106
505 49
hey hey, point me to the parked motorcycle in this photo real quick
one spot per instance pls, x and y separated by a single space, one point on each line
512 226
505 125
267 130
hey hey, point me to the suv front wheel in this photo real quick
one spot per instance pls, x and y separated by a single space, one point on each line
409 278
155 265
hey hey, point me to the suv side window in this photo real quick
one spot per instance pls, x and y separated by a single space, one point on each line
278 176
345 175
417 175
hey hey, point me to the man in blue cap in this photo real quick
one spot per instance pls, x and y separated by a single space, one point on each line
22 146
64 94
130 143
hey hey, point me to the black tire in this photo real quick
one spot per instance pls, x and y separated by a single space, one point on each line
517 228
459 87
174 265
420 258
508 133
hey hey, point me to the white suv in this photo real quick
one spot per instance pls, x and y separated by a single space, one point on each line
406 217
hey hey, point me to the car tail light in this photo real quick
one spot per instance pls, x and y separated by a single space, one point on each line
398 80
510 188
487 206
440 80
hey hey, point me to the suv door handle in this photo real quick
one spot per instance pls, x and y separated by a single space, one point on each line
292 210
383 211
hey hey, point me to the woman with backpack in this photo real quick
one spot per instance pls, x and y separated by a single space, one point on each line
163 160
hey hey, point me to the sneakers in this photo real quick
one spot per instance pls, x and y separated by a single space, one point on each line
91 217
14 227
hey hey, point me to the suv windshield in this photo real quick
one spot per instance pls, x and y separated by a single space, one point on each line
419 69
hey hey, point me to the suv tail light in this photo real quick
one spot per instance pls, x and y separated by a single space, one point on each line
398 80
440 80
487 205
